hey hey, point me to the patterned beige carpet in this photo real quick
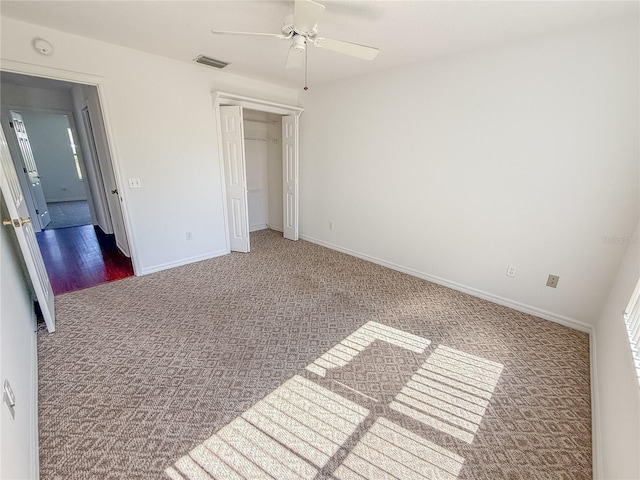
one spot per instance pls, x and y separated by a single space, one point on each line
295 361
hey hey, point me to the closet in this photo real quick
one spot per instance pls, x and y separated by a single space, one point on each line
258 142
263 156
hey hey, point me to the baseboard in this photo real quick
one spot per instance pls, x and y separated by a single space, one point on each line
181 262
277 229
62 200
255 228
596 452
35 439
521 307
103 230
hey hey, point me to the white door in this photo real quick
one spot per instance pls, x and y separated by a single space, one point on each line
290 176
21 223
235 177
102 162
31 169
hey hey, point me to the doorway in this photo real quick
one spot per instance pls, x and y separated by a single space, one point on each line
254 198
263 153
64 168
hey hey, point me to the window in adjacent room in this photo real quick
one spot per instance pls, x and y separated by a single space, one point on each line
75 154
632 319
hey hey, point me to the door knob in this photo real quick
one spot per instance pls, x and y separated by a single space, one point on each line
16 222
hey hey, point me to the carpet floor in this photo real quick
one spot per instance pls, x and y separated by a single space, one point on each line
68 214
296 361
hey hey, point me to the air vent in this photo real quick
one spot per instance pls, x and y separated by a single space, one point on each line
212 62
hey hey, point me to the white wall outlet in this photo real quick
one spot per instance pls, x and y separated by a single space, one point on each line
511 270
552 281
135 183
330 225
188 235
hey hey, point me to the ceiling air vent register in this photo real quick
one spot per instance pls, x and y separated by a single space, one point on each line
212 62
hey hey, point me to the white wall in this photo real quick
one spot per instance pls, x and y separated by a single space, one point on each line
41 98
162 124
525 154
51 148
18 434
617 408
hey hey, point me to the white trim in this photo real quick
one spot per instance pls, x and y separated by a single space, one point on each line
255 228
183 261
277 229
225 98
49 72
35 439
98 82
596 451
73 199
521 307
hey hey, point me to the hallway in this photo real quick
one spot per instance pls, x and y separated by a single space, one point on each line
81 257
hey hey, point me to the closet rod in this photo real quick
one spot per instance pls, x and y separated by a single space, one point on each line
262 140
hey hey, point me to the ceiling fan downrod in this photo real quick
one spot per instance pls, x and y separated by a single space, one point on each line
306 87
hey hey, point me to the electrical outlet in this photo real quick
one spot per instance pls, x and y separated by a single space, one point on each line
330 225
188 235
511 270
552 281
135 183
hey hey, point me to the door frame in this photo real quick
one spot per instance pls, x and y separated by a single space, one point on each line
260 105
100 84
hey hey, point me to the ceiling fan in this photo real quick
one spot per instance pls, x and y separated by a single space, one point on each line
302 29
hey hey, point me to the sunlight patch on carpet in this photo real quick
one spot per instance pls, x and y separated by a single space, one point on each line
450 392
291 433
300 428
341 354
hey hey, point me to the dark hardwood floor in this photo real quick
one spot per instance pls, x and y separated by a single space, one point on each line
81 257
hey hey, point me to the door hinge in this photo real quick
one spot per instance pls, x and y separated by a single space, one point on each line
11 124
37 211
25 170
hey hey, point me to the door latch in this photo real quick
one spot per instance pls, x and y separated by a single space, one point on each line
16 222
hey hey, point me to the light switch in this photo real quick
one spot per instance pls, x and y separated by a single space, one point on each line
135 183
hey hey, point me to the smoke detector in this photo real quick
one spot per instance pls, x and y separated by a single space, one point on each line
41 46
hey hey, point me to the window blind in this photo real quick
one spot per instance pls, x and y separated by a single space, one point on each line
632 320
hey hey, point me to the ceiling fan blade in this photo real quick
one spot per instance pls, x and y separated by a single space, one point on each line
348 48
306 14
295 57
223 32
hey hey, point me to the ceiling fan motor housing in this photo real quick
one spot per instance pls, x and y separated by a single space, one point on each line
299 42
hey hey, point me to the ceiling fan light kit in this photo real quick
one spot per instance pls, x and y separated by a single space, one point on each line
302 28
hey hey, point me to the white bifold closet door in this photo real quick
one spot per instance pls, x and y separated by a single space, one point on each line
290 176
232 130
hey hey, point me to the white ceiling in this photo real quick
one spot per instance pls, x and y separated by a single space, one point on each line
405 31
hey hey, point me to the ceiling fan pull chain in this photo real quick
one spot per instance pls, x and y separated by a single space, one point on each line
305 70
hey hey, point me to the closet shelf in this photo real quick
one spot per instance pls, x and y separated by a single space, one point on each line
268 140
259 121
